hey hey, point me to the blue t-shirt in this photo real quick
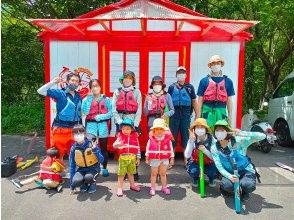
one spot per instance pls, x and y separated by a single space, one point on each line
203 84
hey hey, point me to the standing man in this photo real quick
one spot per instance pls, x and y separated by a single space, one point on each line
68 106
184 101
215 93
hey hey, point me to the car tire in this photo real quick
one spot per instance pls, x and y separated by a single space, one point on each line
283 133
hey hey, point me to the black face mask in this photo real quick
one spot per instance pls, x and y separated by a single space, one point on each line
72 87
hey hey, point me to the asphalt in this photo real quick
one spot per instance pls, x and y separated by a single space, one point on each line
273 198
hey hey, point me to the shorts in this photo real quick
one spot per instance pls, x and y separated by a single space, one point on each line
156 163
126 164
62 139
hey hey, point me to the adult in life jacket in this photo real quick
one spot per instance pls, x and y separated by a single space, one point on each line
98 111
231 145
200 139
84 162
215 93
128 150
158 103
49 175
159 154
127 103
68 106
184 101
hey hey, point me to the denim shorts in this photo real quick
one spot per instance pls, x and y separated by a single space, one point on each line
156 163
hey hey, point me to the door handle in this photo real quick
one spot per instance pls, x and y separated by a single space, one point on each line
289 102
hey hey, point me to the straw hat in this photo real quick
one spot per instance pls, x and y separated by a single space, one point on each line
200 122
159 123
216 58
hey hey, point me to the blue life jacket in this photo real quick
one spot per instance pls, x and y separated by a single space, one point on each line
180 96
71 112
226 157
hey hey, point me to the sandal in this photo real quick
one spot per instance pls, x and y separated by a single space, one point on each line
166 190
119 192
135 188
152 191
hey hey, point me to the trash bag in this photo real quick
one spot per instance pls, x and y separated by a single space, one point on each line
8 166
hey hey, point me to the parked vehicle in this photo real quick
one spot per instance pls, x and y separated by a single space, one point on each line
250 122
281 111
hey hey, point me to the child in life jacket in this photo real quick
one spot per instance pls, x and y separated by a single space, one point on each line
49 175
98 111
232 145
84 162
157 102
159 154
128 149
200 139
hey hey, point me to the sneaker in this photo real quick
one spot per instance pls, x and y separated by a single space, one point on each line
245 197
119 192
136 176
105 173
84 188
165 190
212 183
194 183
92 188
152 191
135 188
17 183
59 188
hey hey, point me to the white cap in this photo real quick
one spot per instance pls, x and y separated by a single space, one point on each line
181 68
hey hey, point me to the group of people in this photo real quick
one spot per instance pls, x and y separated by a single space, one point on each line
168 113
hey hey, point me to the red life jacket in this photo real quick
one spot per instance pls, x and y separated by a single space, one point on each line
160 149
216 92
130 144
158 105
195 152
126 102
97 108
46 172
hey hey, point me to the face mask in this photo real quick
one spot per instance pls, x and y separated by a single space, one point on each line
127 83
72 87
157 88
216 68
181 77
79 137
96 90
220 135
200 131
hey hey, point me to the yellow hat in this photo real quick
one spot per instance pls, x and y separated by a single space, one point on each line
216 58
159 123
200 122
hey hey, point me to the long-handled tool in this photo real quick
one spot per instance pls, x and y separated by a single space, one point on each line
236 188
284 166
201 168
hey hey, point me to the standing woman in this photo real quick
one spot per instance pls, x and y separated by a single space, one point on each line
68 106
127 103
157 101
98 111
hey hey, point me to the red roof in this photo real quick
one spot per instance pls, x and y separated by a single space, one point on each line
144 9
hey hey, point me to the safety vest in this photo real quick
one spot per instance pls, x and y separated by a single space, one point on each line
96 108
216 92
158 105
195 152
51 168
71 112
129 144
160 149
85 158
180 96
126 102
226 157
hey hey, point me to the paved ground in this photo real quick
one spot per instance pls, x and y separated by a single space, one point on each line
273 199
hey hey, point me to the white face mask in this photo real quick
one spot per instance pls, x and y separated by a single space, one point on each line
181 76
79 138
216 68
220 135
200 131
157 88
